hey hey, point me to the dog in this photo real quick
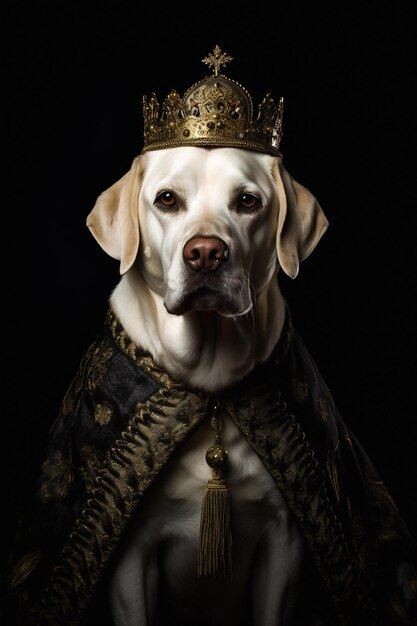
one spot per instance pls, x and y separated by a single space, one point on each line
137 519
201 235
198 471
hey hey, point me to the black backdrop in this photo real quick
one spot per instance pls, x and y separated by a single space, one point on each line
78 72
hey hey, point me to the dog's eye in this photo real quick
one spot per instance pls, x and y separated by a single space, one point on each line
167 198
248 201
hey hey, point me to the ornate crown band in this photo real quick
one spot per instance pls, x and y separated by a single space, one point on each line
216 111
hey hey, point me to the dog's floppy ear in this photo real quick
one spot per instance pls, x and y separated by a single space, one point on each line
114 220
301 221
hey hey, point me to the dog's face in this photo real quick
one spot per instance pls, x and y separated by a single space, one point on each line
208 220
208 227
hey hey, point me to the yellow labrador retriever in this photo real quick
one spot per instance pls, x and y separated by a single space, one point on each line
136 519
201 234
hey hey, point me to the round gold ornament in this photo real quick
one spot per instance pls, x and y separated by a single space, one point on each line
216 457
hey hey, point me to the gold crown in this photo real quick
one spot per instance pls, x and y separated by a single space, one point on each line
216 111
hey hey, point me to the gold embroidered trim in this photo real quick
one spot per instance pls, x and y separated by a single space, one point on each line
160 425
143 360
290 460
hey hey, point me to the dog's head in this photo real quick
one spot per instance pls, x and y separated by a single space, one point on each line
209 228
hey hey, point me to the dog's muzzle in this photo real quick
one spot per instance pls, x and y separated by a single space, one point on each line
208 283
205 254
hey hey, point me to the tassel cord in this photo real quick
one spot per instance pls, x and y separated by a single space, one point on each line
215 541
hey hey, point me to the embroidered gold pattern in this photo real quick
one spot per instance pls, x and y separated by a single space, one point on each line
24 567
103 414
141 359
91 460
57 476
98 367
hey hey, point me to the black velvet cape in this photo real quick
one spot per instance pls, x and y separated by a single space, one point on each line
122 420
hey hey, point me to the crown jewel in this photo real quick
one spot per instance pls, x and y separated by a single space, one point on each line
216 111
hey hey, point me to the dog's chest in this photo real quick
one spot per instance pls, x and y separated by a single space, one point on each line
175 501
164 539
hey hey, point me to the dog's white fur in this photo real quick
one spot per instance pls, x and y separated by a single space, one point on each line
208 347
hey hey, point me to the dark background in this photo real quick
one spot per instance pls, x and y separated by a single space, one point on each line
77 74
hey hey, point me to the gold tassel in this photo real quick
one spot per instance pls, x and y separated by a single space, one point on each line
215 545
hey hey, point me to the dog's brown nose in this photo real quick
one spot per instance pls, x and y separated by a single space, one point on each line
205 254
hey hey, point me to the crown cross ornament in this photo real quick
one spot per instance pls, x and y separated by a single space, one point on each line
216 59
217 111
